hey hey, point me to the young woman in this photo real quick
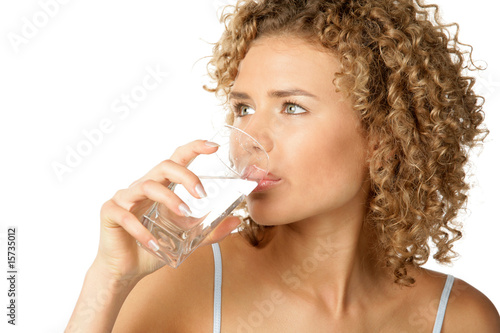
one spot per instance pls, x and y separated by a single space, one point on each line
367 118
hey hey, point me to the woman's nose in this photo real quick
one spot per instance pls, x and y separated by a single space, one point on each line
259 127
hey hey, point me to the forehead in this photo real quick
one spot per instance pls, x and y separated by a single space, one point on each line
281 60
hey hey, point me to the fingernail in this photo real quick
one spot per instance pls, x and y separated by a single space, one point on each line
185 210
153 246
201 191
211 144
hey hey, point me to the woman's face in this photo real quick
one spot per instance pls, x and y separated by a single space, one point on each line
283 95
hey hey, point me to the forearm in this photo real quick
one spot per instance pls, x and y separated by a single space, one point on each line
99 302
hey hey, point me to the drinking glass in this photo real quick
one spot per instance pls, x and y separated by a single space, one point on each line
228 176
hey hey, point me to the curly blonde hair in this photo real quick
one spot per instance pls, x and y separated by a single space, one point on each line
404 73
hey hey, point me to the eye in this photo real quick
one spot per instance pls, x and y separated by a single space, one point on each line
242 110
291 108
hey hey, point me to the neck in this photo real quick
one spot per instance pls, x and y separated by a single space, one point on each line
326 258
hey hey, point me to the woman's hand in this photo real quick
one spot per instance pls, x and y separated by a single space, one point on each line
119 255
120 263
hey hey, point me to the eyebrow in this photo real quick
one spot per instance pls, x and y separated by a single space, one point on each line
274 93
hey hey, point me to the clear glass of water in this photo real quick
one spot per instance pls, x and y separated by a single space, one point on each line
228 176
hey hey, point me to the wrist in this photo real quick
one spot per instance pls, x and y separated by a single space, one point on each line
113 280
101 299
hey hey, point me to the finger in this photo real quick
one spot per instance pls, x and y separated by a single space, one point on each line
114 215
222 230
183 155
151 188
169 170
154 191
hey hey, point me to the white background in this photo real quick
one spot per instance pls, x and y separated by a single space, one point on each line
65 79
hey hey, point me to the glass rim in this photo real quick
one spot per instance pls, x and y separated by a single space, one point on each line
258 144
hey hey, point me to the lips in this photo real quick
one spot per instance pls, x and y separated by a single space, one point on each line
271 177
269 182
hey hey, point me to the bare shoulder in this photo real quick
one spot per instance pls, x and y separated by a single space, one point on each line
168 299
469 310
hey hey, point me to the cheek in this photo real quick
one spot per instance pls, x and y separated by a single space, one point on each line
323 170
330 167
328 153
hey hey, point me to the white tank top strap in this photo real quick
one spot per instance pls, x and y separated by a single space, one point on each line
438 323
217 287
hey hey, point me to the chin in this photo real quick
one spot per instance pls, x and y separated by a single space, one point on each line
266 215
273 207
262 217
261 214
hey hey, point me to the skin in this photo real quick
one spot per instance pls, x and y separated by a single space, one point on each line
316 271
